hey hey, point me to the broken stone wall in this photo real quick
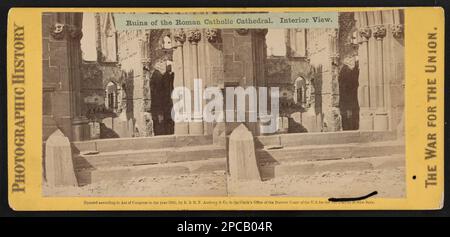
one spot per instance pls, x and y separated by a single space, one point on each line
323 56
133 61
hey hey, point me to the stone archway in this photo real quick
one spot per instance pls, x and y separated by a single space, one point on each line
111 96
300 91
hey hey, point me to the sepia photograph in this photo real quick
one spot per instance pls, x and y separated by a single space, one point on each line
218 112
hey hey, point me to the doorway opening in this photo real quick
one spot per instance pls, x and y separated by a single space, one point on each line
161 85
348 94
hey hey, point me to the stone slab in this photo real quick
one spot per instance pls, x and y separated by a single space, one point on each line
142 143
59 168
342 137
270 171
328 152
168 169
150 156
126 173
243 165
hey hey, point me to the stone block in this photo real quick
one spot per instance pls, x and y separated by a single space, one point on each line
241 156
59 169
101 160
193 140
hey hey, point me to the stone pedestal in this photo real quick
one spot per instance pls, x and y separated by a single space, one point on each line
59 170
242 161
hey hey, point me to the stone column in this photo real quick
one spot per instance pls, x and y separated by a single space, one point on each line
260 55
181 128
80 124
364 34
145 60
381 119
380 65
64 70
323 56
373 67
211 71
196 124
330 91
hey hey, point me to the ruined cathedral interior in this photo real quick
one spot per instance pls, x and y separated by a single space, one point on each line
104 83
109 90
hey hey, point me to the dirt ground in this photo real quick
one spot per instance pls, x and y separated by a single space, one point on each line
388 182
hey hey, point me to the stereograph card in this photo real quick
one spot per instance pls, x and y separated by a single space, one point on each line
225 108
